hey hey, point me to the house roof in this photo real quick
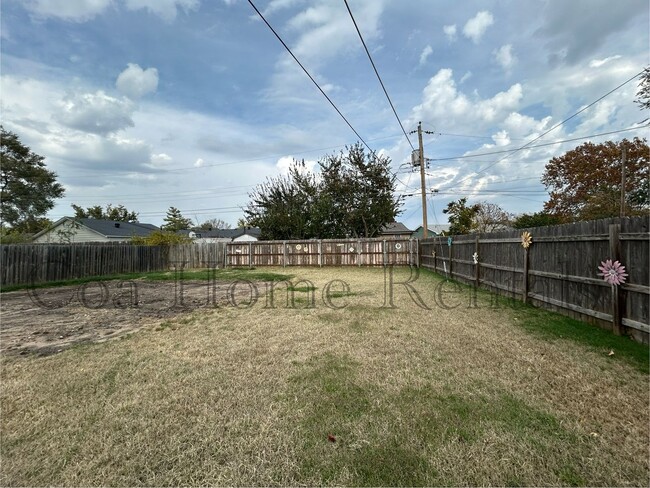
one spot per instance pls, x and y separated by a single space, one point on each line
108 228
225 233
395 228
113 228
437 228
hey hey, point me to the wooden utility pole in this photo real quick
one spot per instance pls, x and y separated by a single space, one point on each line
623 157
425 228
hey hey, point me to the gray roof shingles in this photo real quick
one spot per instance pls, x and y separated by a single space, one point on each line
109 228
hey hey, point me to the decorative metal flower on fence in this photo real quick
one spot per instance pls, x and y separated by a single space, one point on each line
449 241
475 257
433 254
612 272
526 239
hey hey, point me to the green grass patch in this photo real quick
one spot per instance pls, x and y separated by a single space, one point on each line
389 439
554 326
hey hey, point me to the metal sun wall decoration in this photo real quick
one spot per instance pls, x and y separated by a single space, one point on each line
526 239
475 257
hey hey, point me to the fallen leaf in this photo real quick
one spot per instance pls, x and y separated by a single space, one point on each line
611 352
331 438
594 434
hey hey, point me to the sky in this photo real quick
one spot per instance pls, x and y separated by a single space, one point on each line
192 103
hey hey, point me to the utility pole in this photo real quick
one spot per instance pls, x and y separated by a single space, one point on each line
623 157
425 228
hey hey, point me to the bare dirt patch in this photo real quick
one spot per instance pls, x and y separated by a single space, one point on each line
48 320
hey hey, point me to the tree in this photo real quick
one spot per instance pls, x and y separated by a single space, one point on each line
357 194
213 223
490 217
643 95
160 238
176 221
585 183
27 188
283 206
351 197
537 219
119 213
461 217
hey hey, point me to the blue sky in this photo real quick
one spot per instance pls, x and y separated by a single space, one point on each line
190 103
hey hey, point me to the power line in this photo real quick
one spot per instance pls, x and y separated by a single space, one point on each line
466 156
309 75
377 73
557 125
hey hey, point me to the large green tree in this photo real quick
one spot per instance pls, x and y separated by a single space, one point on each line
585 183
351 196
119 213
27 188
462 218
175 221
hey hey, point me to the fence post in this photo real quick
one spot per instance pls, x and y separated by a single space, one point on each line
477 271
525 277
383 251
359 252
320 253
615 252
451 261
284 254
250 255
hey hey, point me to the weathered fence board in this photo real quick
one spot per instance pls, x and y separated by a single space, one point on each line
560 269
24 264
323 252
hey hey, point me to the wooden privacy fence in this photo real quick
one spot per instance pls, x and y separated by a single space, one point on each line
202 255
24 264
559 270
323 252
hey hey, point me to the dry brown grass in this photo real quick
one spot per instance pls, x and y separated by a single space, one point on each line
248 396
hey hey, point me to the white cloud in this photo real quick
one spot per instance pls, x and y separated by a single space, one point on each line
96 113
274 5
504 57
441 101
450 32
198 163
477 25
286 162
465 77
136 82
160 160
166 9
72 10
426 52
501 138
323 35
82 10
597 63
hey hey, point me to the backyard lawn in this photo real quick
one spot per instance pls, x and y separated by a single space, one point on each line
337 389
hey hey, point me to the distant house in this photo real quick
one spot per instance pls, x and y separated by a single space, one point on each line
434 230
395 230
71 230
242 234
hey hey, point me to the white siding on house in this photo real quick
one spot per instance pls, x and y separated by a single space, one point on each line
65 232
245 238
